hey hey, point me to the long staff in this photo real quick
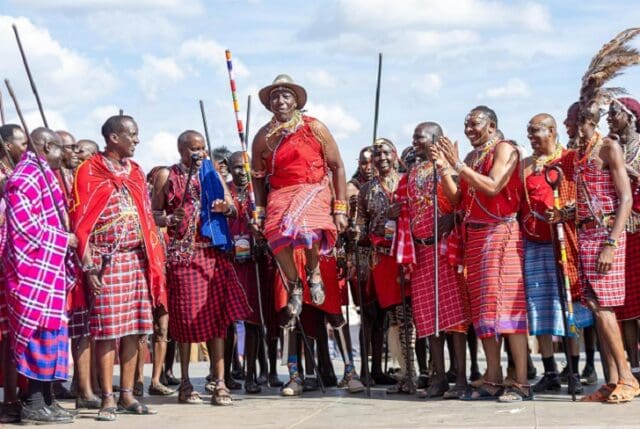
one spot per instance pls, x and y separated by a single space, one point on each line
31 81
2 110
436 255
61 216
252 199
564 286
206 130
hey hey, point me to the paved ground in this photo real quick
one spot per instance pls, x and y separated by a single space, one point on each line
338 409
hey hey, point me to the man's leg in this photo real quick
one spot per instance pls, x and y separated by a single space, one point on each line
314 277
274 381
221 395
438 384
105 357
81 351
138 385
518 346
167 377
472 342
229 347
460 353
589 371
129 347
251 350
612 346
630 330
550 382
160 339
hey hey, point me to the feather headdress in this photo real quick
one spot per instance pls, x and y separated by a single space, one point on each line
606 65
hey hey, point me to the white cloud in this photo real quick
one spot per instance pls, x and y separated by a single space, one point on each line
64 77
514 88
156 74
321 78
32 117
176 7
100 114
211 53
160 149
428 84
340 123
149 28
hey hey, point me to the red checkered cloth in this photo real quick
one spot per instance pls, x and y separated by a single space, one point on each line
494 257
597 197
451 297
631 308
123 306
205 297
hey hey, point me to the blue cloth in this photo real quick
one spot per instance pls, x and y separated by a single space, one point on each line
213 225
543 300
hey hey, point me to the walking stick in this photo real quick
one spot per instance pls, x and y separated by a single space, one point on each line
405 323
252 197
364 344
31 81
436 255
564 286
206 130
2 109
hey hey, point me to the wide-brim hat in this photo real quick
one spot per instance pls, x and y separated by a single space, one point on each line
283 81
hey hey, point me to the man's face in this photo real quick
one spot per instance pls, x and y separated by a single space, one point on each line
70 158
384 158
365 165
617 119
478 128
17 145
194 145
282 103
423 143
85 151
571 123
127 139
542 137
54 150
238 173
223 167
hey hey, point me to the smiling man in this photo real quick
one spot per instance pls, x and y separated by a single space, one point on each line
122 258
303 163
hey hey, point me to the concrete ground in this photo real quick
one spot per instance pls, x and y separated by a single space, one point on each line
339 409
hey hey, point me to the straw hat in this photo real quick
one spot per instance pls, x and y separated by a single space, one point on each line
283 81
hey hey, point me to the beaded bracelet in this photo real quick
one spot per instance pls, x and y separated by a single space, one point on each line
340 207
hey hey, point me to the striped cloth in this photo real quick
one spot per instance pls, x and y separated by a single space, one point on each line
493 258
205 297
299 216
543 299
46 357
597 197
631 308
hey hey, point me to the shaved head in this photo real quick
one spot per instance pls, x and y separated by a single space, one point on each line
432 128
40 136
544 119
184 138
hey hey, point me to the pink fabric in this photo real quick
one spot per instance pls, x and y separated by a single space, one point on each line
35 254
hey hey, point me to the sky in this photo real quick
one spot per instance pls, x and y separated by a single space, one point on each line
156 58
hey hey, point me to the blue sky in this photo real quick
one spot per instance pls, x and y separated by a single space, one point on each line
156 58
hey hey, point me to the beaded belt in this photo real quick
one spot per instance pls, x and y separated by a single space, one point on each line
591 222
382 249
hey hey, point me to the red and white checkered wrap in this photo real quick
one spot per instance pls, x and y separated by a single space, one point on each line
608 288
631 308
204 297
451 305
123 306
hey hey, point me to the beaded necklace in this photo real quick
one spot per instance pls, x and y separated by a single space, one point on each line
542 161
181 249
288 127
424 196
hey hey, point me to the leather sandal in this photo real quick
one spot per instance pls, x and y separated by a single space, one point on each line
186 394
315 287
624 391
516 393
600 395
221 396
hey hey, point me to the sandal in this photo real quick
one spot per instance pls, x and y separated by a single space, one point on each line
294 305
624 392
221 396
135 408
435 390
107 414
516 393
455 393
316 288
484 392
186 394
160 390
600 395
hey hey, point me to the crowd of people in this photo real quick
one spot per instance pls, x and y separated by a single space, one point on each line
434 250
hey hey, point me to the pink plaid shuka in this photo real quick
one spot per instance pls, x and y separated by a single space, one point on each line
34 259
